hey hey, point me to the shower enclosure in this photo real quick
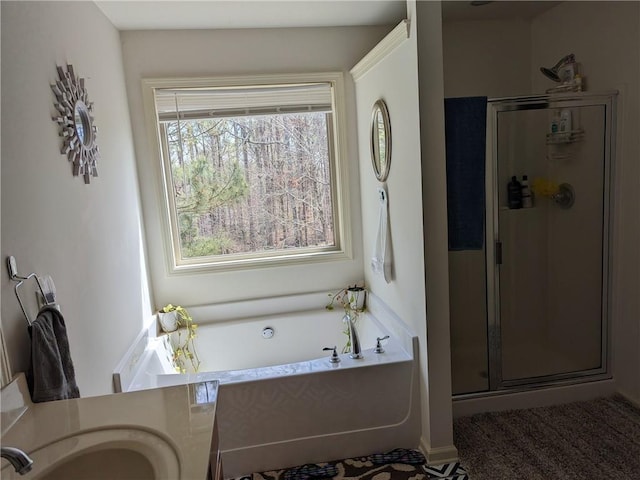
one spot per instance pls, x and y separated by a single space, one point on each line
545 280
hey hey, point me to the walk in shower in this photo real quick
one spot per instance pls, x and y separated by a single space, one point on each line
530 299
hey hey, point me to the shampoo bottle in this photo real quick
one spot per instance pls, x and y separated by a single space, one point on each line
565 121
514 193
555 123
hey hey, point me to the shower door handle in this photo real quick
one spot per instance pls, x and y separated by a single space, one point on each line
498 254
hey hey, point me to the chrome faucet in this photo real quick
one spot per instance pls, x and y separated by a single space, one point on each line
353 337
20 460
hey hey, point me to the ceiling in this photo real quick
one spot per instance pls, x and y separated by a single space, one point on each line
221 14
500 10
217 14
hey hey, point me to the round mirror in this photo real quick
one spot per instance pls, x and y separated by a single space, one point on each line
82 121
380 140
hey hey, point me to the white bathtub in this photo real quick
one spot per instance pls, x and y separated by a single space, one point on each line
281 402
297 337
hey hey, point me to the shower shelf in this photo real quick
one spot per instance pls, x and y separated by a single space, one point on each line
565 137
504 208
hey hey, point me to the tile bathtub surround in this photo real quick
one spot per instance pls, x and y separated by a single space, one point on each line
398 464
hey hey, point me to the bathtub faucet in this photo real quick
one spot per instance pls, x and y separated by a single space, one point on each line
20 460
353 337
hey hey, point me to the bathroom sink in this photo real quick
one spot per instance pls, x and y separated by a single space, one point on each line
122 453
164 433
128 464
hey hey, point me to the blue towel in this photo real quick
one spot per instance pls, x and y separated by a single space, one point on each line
51 375
465 132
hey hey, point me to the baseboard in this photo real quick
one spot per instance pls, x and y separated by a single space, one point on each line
439 455
629 399
542 397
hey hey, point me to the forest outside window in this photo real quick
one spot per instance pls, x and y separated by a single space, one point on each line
250 172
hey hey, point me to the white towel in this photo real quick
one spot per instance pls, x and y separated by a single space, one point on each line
381 261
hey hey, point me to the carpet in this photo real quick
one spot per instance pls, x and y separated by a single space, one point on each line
398 464
597 439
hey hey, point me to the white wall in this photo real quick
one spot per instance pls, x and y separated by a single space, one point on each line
395 80
156 54
418 291
428 20
479 62
605 37
87 237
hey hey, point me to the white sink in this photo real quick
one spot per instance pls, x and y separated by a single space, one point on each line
122 453
148 435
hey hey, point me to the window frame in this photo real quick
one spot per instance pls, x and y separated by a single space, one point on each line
338 169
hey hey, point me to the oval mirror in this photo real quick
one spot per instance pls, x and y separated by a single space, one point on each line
380 140
82 122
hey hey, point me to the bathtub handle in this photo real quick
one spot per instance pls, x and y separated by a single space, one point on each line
334 356
379 348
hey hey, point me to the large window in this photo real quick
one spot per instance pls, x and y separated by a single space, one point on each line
250 171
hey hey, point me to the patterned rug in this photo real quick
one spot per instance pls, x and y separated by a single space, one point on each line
398 464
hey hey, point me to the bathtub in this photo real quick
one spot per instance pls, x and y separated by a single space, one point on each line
281 402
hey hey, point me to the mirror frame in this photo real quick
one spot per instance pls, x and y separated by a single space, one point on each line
72 103
381 166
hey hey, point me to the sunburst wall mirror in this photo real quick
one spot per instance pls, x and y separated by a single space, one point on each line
75 119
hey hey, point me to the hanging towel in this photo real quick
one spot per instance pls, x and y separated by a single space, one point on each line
51 375
381 261
466 133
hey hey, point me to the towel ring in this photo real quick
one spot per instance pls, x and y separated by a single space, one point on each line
13 274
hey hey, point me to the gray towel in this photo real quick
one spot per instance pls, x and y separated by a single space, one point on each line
51 375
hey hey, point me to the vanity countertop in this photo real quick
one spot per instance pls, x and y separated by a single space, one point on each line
183 416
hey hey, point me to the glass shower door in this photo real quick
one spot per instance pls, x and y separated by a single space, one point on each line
550 257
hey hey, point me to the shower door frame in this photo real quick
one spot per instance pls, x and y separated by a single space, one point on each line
494 332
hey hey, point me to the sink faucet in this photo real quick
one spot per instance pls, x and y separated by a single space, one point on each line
20 460
353 337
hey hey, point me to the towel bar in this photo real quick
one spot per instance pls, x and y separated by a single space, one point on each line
13 274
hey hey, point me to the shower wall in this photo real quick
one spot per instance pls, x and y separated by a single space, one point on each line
550 277
523 232
575 240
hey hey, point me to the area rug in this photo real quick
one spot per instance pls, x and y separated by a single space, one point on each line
598 439
397 464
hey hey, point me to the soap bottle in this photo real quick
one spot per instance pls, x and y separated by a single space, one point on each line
527 195
565 122
514 193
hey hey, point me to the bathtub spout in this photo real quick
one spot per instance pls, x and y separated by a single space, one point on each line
353 337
